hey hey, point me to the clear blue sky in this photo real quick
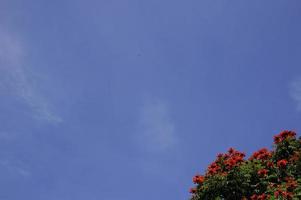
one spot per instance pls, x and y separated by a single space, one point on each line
128 99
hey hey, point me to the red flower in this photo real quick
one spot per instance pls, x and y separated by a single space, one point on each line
287 195
277 193
254 197
220 155
282 163
277 139
231 150
284 135
198 179
192 190
230 163
291 183
262 154
263 197
262 172
259 197
233 159
213 168
270 164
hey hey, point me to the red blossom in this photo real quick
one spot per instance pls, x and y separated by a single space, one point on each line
254 197
270 164
277 139
220 155
233 159
291 183
262 172
284 135
259 197
231 150
282 163
213 168
198 179
262 154
277 193
287 195
284 194
263 197
192 190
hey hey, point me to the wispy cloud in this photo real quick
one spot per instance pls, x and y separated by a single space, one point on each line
156 127
15 167
14 77
295 92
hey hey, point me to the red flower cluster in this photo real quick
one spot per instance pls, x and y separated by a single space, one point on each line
266 175
198 179
262 172
270 164
282 163
214 168
226 162
283 194
291 183
284 135
260 197
234 158
262 154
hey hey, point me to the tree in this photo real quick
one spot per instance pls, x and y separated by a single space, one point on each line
266 175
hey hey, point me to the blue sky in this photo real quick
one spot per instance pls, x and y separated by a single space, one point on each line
127 100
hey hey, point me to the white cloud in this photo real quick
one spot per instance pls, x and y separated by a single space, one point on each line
156 132
15 79
295 92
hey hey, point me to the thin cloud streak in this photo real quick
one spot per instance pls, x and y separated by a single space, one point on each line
295 92
14 79
15 167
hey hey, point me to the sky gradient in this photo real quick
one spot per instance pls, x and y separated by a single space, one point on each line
128 99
